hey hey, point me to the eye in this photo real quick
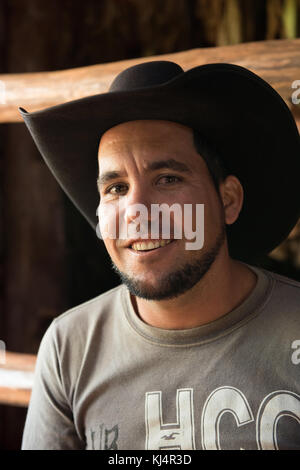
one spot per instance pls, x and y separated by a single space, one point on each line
168 179
116 189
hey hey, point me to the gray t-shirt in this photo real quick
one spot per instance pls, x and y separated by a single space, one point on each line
104 379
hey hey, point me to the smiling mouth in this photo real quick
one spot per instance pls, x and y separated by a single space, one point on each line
149 246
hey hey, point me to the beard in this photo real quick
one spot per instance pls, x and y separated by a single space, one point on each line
179 281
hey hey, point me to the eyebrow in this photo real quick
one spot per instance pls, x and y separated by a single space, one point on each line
171 164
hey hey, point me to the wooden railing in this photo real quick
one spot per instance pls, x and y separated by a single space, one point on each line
278 62
16 378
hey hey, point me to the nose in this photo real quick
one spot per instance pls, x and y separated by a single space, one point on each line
138 204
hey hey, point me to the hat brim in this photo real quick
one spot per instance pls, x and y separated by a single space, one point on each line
245 118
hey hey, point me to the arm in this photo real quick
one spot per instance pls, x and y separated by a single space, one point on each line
49 422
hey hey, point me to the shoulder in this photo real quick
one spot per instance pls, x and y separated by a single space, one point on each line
96 305
285 292
78 332
283 282
88 318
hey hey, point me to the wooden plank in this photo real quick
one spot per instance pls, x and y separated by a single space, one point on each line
16 361
277 61
16 379
17 367
15 397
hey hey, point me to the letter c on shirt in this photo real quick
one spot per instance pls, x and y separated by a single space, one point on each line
273 407
220 401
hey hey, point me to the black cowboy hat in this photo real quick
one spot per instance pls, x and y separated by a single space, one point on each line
246 120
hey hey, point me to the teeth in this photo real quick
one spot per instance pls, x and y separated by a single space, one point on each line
143 246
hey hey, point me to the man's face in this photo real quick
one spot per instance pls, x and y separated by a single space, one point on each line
155 162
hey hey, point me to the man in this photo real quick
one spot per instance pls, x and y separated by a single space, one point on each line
197 348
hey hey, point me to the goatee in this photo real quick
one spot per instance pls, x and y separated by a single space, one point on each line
177 282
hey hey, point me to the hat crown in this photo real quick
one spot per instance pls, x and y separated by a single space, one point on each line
145 75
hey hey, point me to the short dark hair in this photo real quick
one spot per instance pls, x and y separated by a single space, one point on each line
211 157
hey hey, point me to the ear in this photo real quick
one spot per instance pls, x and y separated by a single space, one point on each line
232 195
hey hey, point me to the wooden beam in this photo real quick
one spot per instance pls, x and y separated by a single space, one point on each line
16 378
277 61
17 361
14 396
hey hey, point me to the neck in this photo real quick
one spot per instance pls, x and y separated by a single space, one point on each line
224 287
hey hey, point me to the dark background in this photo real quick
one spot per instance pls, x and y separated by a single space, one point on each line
50 259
